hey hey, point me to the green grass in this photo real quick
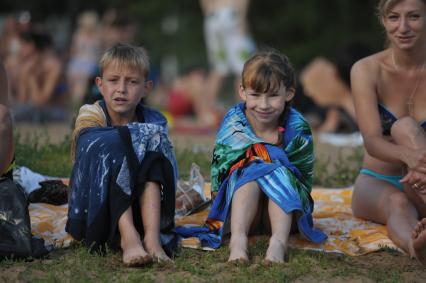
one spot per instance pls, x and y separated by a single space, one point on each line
40 155
341 172
76 264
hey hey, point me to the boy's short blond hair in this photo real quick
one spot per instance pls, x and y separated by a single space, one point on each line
127 56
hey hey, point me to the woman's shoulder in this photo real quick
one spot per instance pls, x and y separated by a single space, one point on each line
371 63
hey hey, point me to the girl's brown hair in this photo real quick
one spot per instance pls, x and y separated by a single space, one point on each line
266 70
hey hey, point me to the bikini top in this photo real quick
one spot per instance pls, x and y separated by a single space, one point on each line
387 119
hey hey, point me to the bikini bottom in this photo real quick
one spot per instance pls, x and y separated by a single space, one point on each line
393 180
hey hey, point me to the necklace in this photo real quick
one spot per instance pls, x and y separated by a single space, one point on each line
410 102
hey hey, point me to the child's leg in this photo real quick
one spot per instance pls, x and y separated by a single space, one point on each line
150 203
133 251
280 227
244 208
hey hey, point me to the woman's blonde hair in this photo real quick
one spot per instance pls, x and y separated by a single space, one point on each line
385 5
126 56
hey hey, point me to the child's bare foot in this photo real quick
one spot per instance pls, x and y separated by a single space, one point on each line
238 247
276 253
419 241
156 251
161 257
134 254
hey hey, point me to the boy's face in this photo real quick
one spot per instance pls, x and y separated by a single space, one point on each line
122 88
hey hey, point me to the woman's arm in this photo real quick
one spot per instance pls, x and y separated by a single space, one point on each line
6 133
364 80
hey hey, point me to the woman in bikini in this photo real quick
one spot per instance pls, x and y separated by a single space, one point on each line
389 90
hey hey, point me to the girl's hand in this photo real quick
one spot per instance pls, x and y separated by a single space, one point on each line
416 180
416 160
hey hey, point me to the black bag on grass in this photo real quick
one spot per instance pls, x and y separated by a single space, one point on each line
16 240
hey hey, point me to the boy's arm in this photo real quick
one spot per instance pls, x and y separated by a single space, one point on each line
89 116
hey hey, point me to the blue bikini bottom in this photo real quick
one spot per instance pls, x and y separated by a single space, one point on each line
393 180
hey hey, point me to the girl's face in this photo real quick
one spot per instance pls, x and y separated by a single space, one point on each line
405 23
122 89
264 109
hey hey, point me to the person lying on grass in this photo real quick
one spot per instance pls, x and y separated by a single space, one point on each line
124 176
262 165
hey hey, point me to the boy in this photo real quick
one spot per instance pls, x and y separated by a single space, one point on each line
123 180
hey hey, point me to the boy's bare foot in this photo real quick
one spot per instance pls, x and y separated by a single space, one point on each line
134 254
238 247
419 241
276 253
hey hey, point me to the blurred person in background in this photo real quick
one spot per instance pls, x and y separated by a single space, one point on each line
84 55
183 101
327 83
117 27
228 44
9 38
36 79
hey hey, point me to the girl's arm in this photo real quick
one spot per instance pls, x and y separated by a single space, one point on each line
364 78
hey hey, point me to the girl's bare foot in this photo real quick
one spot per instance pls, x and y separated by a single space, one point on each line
161 257
419 241
277 252
134 254
154 248
238 247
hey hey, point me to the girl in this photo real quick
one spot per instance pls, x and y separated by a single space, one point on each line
262 164
390 103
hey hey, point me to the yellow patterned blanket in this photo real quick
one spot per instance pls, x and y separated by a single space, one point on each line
332 214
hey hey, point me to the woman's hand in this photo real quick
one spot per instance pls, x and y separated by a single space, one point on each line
416 180
415 160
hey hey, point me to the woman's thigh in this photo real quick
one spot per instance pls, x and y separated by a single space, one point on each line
373 197
416 200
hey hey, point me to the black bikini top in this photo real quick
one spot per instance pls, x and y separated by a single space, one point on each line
387 119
